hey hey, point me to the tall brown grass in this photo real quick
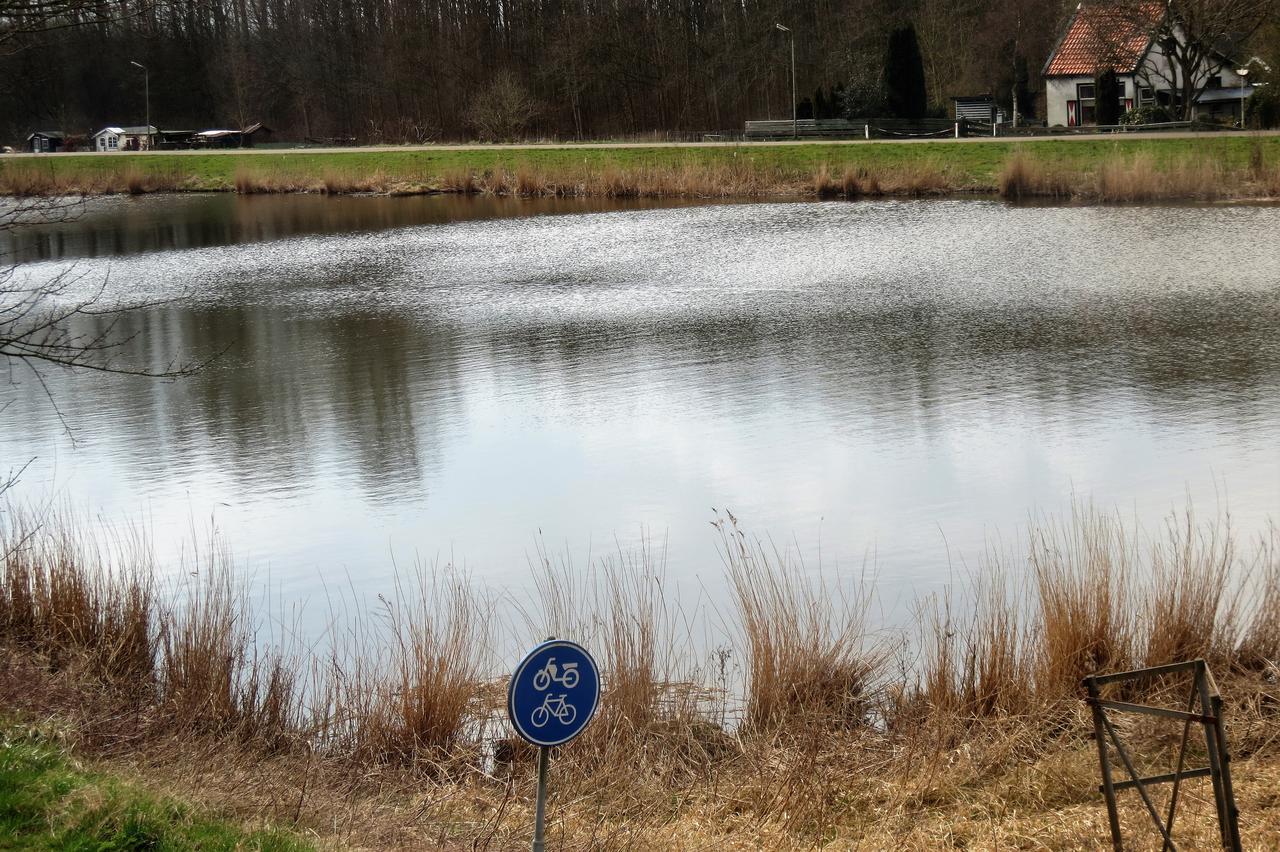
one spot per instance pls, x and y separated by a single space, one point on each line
1023 176
417 682
405 689
1260 642
1084 571
51 603
1140 179
1123 179
806 646
1115 177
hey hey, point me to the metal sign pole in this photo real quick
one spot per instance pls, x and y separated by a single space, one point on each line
551 698
540 810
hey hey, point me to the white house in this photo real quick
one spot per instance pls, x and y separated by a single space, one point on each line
123 139
1099 35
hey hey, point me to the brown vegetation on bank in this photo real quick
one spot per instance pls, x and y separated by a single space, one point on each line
1117 176
1140 178
808 725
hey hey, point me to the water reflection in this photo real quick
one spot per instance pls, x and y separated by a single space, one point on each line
124 225
851 374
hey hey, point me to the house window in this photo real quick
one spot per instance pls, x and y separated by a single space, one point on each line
1147 95
1085 93
1215 82
113 142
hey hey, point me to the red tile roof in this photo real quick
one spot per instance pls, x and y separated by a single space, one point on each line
1105 34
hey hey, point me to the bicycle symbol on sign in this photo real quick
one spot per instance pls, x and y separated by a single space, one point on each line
556 706
547 675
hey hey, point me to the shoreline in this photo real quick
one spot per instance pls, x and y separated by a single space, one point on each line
1122 169
812 727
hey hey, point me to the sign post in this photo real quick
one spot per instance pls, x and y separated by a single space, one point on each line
550 700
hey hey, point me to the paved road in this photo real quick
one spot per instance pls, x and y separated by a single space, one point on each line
979 140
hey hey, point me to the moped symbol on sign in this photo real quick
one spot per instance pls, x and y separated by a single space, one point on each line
553 693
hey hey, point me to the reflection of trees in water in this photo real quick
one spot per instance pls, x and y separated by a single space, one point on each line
373 399
911 364
117 227
380 404
287 396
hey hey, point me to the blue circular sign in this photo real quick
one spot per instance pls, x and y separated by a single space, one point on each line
553 693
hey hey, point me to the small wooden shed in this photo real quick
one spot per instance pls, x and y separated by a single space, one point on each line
46 141
977 108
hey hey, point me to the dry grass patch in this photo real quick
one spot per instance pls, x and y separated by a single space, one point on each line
1139 179
1023 176
809 660
405 688
1084 571
394 737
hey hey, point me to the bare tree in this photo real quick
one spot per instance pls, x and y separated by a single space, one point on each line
1196 39
60 323
24 18
503 111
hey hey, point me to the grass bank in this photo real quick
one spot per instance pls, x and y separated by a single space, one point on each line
807 725
1209 168
49 801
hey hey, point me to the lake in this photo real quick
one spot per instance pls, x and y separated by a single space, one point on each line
884 384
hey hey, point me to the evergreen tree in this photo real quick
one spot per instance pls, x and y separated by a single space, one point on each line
904 84
1022 85
1106 90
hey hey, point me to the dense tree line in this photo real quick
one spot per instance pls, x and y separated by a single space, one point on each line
414 70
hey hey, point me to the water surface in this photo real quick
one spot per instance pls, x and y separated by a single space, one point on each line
459 380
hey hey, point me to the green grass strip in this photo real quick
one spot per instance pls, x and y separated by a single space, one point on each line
47 802
972 165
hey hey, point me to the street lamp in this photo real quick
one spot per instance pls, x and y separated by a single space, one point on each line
795 124
146 82
1243 73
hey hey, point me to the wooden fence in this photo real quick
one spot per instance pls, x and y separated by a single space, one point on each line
940 128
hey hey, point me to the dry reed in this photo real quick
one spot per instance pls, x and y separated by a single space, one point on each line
1025 177
409 688
1084 572
418 686
1140 179
806 646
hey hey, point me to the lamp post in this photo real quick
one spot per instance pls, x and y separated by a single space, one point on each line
795 123
146 82
1243 73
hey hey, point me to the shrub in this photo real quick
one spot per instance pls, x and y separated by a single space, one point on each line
503 111
1154 114
1262 110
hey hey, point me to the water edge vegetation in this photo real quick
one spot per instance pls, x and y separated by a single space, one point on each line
1120 170
965 729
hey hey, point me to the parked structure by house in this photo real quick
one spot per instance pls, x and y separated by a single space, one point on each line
46 141
243 138
1099 36
982 108
110 139
171 139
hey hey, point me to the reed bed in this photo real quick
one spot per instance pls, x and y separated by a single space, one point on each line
1123 178
1125 173
787 718
37 180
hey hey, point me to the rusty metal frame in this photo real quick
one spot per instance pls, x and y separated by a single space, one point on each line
1204 707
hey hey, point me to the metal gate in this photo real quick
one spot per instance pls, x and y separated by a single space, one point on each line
1204 708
